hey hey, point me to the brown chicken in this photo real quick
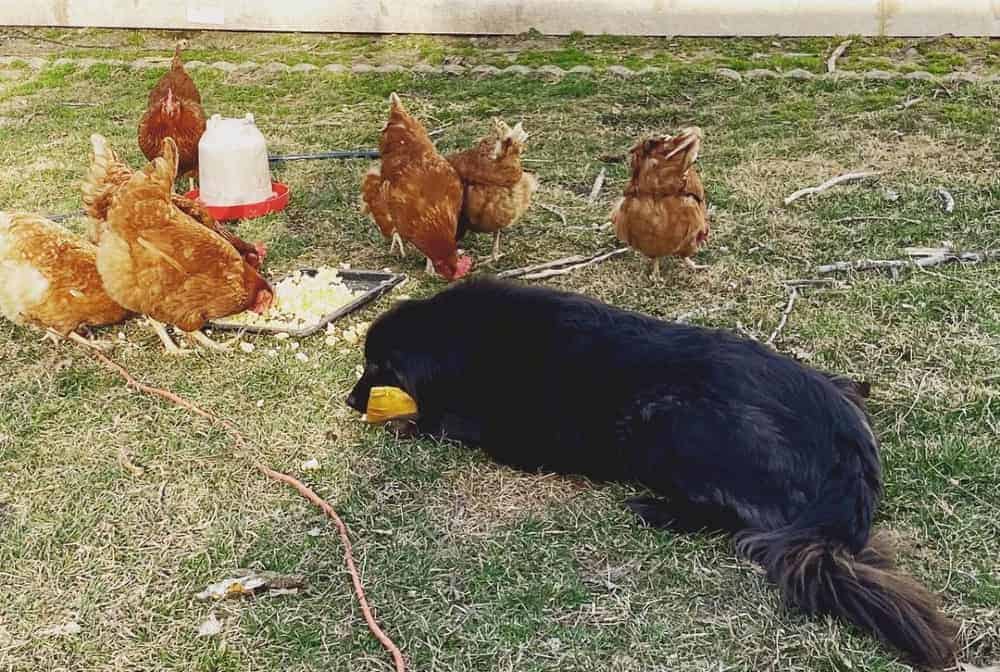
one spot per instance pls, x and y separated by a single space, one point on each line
49 279
497 191
156 260
663 212
108 174
174 111
416 194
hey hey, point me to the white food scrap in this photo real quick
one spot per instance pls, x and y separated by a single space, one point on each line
300 300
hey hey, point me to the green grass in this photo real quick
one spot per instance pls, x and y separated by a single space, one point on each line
472 566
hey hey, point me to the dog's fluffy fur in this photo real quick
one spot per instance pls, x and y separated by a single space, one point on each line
729 434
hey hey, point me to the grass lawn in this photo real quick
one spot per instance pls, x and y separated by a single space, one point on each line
472 566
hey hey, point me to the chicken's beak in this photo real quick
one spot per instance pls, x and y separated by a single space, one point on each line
688 141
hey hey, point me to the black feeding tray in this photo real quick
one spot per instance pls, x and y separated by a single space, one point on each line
373 284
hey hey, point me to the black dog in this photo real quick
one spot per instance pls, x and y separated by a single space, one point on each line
730 434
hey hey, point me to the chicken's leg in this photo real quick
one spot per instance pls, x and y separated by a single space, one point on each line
689 262
496 245
168 342
655 273
429 267
397 240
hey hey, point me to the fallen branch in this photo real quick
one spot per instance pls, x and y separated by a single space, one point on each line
907 104
831 63
302 489
832 182
598 184
612 158
793 294
920 262
555 211
949 200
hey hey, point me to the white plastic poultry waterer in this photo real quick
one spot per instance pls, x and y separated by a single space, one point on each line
233 171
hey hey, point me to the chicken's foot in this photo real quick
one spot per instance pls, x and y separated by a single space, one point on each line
654 275
429 267
168 343
56 337
689 262
199 338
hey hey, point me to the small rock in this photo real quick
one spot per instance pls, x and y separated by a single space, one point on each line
282 336
274 66
310 465
759 73
271 353
302 357
224 66
66 629
919 74
260 403
581 70
912 53
799 73
880 74
246 347
517 70
486 70
211 627
425 69
890 194
361 68
294 345
729 73
314 532
620 71
453 69
389 68
961 77
551 70
303 67
335 67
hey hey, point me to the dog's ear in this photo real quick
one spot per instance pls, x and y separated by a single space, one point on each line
416 373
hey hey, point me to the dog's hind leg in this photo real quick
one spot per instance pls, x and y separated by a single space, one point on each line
683 515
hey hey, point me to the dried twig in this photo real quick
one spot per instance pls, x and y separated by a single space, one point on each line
948 200
920 262
559 266
831 63
793 294
569 269
873 218
907 104
813 282
555 211
598 184
126 461
241 445
612 158
518 272
832 182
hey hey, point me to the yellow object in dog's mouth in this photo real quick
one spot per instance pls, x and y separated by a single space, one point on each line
389 403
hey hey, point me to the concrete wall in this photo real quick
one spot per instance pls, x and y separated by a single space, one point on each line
622 17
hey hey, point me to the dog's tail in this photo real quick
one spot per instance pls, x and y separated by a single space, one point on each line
820 576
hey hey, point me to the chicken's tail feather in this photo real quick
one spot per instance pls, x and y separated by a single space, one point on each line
104 177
